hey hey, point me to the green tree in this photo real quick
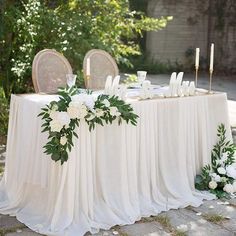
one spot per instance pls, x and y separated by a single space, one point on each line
72 27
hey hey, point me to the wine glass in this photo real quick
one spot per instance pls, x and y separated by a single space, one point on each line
70 79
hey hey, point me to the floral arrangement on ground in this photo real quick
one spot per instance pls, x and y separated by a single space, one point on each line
219 177
60 118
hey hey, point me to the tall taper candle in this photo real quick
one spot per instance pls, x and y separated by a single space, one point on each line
212 57
88 67
197 58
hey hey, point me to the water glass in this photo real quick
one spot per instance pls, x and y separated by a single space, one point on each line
141 76
70 79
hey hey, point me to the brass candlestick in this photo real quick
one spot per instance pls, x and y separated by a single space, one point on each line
196 76
211 72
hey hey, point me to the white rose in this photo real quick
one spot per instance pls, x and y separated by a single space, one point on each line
223 179
106 103
63 140
228 188
82 112
234 186
99 112
221 170
114 111
73 112
63 118
231 171
217 178
55 126
53 114
87 99
212 184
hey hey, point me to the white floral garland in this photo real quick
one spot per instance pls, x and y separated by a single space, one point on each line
60 118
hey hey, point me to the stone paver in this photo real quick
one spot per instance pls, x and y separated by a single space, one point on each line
194 225
7 222
222 208
141 229
23 232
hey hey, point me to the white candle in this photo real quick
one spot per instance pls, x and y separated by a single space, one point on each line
197 58
212 57
88 67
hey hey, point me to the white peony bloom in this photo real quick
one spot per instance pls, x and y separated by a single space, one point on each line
83 112
228 188
106 103
73 112
234 186
215 177
231 171
87 99
55 126
63 118
114 111
63 140
212 184
221 170
99 112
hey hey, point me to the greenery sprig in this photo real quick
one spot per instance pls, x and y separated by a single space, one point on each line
60 118
220 176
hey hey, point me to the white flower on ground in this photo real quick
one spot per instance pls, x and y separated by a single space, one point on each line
231 171
55 126
99 112
106 103
217 178
212 184
221 170
114 111
228 188
63 140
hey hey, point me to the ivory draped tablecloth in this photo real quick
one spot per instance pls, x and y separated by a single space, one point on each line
115 174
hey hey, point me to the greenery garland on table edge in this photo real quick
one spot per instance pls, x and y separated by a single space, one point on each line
220 176
60 118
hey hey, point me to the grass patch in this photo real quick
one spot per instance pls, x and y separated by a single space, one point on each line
11 230
179 233
214 218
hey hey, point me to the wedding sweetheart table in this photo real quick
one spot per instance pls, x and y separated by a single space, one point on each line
115 174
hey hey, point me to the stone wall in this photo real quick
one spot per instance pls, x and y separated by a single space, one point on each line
195 24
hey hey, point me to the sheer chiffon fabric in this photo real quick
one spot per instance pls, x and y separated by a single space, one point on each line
115 174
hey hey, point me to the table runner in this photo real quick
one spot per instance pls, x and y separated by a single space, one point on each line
115 174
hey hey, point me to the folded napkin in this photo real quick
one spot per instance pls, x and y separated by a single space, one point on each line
108 85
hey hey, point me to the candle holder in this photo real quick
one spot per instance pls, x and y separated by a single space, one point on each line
196 75
211 73
87 81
